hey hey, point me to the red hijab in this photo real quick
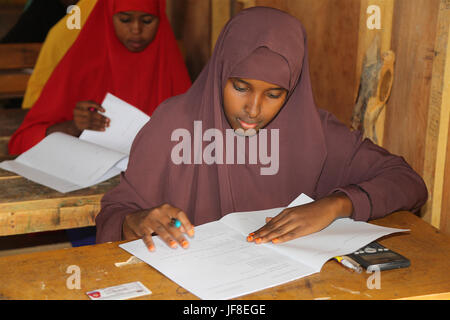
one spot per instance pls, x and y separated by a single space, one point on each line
98 63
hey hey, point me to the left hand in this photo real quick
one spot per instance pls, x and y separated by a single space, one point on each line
299 221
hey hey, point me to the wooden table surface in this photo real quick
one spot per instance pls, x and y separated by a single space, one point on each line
44 275
27 207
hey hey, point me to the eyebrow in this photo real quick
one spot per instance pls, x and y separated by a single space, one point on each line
142 16
249 84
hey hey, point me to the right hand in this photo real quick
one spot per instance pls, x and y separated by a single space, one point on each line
86 116
143 223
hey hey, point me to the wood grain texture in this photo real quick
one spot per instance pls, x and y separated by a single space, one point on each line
436 138
10 120
43 275
191 23
374 44
413 41
18 55
27 207
445 213
332 30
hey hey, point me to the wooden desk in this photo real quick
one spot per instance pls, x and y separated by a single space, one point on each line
27 207
43 275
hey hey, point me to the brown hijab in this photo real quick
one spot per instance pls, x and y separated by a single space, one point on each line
259 43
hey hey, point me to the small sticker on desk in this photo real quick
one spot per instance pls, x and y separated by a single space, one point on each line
120 292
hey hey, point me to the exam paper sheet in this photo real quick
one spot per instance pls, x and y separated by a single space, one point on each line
126 122
65 163
220 264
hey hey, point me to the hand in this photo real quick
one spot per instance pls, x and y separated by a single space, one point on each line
159 219
299 221
86 116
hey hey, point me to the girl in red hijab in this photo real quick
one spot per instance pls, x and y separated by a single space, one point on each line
127 48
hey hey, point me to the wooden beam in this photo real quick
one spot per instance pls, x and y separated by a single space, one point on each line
438 119
374 68
220 14
19 55
407 111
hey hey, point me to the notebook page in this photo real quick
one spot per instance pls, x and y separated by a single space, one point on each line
68 158
341 237
219 263
126 121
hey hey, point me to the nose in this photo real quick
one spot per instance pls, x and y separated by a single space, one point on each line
253 106
136 27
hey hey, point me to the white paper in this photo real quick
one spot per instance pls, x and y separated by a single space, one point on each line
126 121
66 163
120 292
220 264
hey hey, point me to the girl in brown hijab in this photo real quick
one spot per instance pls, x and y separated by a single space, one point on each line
257 81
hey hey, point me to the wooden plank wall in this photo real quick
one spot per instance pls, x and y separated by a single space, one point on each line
436 141
191 23
414 32
332 29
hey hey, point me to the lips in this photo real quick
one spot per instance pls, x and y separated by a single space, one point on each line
135 44
247 125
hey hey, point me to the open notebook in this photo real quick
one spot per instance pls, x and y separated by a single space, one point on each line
221 264
66 163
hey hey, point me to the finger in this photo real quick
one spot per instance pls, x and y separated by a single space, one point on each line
293 234
177 234
185 223
149 242
100 117
165 235
93 107
271 225
98 125
279 231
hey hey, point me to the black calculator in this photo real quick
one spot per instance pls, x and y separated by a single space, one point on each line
374 256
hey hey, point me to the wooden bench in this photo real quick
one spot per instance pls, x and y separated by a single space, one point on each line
16 63
10 120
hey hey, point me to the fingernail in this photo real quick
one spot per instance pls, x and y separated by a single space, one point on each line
184 244
276 240
151 248
173 244
258 240
250 238
252 234
191 232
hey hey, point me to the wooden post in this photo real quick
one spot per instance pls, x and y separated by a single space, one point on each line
438 120
220 14
374 68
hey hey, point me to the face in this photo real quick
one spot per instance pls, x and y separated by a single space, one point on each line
251 104
135 29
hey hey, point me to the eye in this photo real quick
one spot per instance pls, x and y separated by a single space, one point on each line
147 21
272 95
125 20
239 88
